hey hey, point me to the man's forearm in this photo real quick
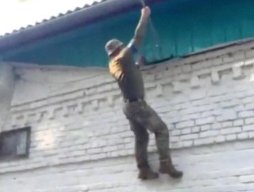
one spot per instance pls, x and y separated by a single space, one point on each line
140 30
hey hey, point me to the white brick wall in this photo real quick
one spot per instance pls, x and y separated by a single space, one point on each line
81 140
225 167
6 91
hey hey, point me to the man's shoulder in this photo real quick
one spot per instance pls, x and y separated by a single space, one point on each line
118 57
115 68
114 64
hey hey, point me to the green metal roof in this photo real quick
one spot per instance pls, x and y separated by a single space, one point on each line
184 27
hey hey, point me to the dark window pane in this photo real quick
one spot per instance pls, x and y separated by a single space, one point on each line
14 143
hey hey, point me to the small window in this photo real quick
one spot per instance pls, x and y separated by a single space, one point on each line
15 144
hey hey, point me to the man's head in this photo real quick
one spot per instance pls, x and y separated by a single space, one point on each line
112 46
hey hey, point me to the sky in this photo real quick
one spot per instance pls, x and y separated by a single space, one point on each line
15 14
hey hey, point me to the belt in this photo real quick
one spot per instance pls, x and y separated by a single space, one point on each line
133 100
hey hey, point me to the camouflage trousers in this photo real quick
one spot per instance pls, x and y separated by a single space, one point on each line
143 118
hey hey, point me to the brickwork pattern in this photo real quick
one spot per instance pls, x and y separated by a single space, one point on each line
225 167
205 100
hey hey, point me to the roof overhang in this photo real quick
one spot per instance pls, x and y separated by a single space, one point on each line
67 22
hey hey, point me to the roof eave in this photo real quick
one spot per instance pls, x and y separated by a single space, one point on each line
65 23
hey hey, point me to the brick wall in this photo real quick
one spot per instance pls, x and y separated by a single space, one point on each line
6 91
81 140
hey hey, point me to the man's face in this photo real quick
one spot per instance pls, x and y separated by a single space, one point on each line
121 47
118 50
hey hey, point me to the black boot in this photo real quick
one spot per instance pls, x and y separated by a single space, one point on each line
146 173
167 167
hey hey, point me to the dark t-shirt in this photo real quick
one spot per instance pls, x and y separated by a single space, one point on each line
127 74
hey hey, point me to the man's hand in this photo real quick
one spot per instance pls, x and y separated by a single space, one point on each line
141 61
145 12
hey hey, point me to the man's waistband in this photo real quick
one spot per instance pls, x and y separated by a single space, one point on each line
133 100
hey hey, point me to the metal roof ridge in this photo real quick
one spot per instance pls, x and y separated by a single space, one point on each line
53 17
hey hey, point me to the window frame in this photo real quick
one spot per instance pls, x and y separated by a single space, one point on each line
26 155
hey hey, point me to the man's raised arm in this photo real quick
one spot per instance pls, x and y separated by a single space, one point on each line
140 29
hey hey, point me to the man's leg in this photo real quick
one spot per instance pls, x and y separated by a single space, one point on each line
160 129
141 143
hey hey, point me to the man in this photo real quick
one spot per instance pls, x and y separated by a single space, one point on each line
140 115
